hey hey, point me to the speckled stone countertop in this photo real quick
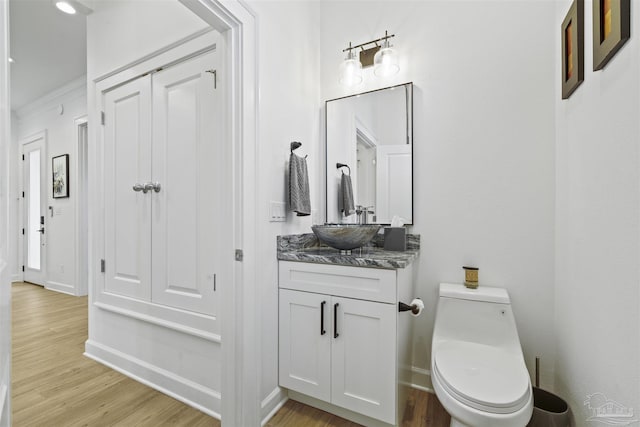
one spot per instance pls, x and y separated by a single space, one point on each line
307 248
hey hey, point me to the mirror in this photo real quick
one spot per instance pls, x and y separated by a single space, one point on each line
371 134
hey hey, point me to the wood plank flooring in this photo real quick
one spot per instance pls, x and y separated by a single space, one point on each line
54 385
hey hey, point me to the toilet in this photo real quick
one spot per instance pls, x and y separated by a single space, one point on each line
477 368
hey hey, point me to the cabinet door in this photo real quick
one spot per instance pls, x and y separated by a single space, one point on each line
363 357
127 161
190 163
305 346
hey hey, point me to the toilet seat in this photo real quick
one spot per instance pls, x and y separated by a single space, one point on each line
483 377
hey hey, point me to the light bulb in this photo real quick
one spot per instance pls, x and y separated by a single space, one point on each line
65 7
351 70
385 62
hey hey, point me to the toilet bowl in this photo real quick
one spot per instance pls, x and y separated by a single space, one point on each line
477 368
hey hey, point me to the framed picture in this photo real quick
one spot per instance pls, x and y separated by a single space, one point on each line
573 48
60 168
611 29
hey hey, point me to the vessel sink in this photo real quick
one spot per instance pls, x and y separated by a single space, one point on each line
345 236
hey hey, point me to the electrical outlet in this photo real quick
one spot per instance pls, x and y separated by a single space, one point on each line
277 211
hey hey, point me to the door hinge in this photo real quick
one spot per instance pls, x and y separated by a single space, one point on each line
102 266
239 255
23 157
23 194
215 77
102 118
23 268
23 231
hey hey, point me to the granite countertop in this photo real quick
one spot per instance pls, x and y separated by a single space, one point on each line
307 248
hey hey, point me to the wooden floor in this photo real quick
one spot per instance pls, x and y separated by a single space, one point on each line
54 385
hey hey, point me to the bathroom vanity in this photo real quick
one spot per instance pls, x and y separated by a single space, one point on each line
344 347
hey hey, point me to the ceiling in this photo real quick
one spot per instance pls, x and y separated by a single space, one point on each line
49 48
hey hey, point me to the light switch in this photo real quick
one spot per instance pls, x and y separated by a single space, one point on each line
277 211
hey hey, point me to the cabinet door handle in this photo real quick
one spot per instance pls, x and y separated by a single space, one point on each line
322 331
335 320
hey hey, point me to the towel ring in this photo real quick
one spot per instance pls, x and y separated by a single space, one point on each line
295 145
342 165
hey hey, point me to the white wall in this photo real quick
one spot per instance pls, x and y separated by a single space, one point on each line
598 228
289 68
483 145
44 115
125 34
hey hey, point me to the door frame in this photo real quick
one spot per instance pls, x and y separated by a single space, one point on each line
239 310
82 214
22 210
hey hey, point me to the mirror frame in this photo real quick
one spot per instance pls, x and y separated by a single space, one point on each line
326 147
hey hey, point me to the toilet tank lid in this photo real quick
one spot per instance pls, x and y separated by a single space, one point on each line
482 293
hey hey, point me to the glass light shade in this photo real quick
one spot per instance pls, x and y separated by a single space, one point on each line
351 71
385 62
65 7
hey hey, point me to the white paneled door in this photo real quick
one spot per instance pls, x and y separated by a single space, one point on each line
35 205
188 164
166 186
127 162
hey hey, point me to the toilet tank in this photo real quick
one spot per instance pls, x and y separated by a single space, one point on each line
481 315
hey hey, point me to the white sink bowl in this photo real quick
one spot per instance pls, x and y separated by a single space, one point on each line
345 236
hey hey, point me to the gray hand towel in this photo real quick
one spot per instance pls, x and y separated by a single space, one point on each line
299 199
348 207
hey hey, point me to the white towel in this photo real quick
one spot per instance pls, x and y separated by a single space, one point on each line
299 199
348 206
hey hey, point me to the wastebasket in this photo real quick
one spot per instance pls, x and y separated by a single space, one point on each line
549 410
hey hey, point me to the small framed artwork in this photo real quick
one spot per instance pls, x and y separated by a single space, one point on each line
611 29
573 48
60 168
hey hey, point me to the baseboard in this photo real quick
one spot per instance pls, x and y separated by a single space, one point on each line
182 389
60 287
16 278
421 379
272 404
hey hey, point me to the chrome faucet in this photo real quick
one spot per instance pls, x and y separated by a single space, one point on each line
362 212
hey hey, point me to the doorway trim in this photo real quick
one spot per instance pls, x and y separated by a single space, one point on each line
82 208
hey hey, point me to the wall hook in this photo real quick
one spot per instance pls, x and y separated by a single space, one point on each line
342 165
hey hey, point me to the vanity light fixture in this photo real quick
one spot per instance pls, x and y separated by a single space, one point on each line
385 62
350 69
383 59
72 7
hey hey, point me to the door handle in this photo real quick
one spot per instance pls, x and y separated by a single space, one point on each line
322 331
335 320
40 230
140 187
155 186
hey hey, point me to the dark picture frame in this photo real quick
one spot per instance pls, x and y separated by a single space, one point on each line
60 176
611 29
572 48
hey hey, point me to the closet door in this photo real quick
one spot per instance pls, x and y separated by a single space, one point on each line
127 162
189 165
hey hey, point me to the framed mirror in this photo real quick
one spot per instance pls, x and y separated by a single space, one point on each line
371 135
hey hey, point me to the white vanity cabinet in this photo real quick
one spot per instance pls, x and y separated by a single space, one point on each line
340 338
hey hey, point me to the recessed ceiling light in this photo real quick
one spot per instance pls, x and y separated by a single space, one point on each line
65 7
